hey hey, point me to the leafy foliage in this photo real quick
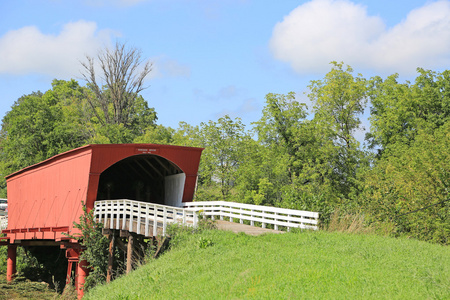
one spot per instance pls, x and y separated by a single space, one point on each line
223 141
95 248
400 110
410 179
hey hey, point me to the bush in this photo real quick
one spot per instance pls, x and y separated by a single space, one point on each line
95 248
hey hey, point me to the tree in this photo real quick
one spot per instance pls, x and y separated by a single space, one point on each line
123 73
142 121
222 156
39 126
399 110
42 125
339 101
409 187
262 174
282 125
290 168
409 181
157 135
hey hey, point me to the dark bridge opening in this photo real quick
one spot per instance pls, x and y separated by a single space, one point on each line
142 177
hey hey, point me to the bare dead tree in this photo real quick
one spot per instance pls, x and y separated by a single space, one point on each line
122 75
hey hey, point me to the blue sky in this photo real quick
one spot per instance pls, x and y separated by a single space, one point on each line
212 58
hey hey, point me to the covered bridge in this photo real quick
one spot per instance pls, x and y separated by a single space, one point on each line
45 199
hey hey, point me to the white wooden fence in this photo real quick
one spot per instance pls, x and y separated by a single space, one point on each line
3 222
141 217
263 215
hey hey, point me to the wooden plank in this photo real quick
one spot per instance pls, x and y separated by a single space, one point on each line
154 168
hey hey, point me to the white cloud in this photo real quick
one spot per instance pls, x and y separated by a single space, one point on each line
28 50
321 31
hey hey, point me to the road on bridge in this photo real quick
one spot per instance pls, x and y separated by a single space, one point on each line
238 227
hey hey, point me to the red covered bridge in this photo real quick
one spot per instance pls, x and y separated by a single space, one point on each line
45 199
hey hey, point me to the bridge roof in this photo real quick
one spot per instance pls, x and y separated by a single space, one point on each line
104 156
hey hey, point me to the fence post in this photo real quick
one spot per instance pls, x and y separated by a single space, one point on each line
146 219
130 225
118 209
288 228
275 226
155 220
138 223
263 225
164 220
195 218
124 215
98 212
175 215
111 214
240 219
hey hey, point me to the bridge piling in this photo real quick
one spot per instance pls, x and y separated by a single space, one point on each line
110 257
11 262
82 272
130 253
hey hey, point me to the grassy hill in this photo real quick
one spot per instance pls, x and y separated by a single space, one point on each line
305 265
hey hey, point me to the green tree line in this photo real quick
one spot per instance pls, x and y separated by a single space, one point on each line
293 157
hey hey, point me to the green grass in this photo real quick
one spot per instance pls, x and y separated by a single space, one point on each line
307 265
25 289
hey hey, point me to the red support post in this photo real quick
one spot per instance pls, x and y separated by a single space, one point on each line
69 271
11 262
83 272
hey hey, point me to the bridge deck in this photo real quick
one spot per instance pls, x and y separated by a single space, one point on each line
238 227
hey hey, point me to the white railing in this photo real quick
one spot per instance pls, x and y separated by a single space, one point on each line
151 219
141 217
3 222
255 214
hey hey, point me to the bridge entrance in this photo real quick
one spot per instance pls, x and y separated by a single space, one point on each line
146 178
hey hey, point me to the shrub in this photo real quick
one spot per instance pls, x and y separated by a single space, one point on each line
95 248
